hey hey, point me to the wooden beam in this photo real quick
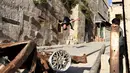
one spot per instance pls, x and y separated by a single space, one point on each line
20 58
114 49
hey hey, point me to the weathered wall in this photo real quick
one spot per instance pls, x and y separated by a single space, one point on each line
116 0
77 35
107 35
103 9
23 20
74 33
116 9
81 28
127 12
99 9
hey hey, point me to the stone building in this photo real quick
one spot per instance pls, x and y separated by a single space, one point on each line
91 17
100 18
38 20
32 20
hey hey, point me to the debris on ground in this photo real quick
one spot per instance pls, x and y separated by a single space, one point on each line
23 57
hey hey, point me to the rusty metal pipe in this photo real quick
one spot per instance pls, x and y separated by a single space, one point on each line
114 49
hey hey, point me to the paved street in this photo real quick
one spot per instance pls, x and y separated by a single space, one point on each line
79 50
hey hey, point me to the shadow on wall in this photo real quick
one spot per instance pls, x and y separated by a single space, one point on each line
5 39
46 7
35 22
89 36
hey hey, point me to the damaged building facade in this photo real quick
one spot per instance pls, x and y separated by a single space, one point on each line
100 19
38 20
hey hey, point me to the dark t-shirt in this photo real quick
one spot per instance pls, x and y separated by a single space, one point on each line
66 20
121 42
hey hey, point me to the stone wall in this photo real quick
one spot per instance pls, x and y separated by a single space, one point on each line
81 28
99 9
24 20
78 34
107 35
28 20
74 33
103 9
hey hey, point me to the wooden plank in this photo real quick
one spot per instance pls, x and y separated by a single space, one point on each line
114 50
20 58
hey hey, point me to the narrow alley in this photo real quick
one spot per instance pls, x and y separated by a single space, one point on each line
64 36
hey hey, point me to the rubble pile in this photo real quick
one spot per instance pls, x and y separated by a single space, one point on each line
23 57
